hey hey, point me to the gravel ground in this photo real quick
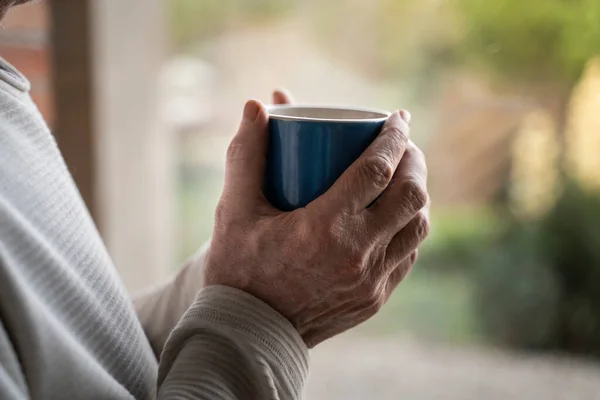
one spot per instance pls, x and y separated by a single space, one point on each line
367 368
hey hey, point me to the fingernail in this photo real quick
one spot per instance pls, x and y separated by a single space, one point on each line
395 116
251 110
405 116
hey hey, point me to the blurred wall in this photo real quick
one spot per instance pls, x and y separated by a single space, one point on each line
24 42
135 169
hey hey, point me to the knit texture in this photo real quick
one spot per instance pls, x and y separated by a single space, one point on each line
68 329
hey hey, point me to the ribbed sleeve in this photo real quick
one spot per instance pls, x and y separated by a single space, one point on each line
230 345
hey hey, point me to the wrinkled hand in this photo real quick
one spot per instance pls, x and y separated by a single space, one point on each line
333 264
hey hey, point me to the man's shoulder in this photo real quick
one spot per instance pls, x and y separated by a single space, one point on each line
11 79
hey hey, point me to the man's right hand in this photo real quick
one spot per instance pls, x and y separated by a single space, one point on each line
333 264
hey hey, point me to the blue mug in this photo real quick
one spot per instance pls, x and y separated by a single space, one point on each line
310 147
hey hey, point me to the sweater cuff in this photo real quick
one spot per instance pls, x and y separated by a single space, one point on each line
266 330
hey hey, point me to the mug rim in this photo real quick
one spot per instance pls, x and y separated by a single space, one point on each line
274 107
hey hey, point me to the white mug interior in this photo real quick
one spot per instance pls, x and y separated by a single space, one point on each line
326 113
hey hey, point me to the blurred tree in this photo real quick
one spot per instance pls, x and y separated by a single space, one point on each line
537 284
538 47
535 178
583 132
546 272
404 42
416 35
570 244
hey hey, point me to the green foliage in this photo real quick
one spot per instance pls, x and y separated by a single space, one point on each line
535 284
194 20
581 39
571 246
457 240
516 294
433 305
538 286
532 40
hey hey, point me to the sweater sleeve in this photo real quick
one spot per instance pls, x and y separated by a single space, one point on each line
230 345
160 308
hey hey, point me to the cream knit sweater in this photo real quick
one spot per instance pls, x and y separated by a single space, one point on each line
68 329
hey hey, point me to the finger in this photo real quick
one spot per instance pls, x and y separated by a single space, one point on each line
407 241
399 274
371 173
246 156
282 96
404 197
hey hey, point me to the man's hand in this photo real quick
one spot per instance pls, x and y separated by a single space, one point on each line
333 264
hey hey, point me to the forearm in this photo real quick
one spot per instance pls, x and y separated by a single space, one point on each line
223 343
230 345
160 308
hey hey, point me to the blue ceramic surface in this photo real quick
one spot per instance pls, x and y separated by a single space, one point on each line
310 147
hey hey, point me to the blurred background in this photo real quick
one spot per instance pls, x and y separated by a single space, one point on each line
144 96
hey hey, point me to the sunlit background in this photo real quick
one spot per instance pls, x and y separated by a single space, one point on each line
504 302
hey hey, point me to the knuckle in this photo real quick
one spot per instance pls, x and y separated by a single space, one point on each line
354 266
414 257
414 193
325 230
352 272
421 226
378 170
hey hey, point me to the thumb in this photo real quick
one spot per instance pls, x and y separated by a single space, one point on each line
247 156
